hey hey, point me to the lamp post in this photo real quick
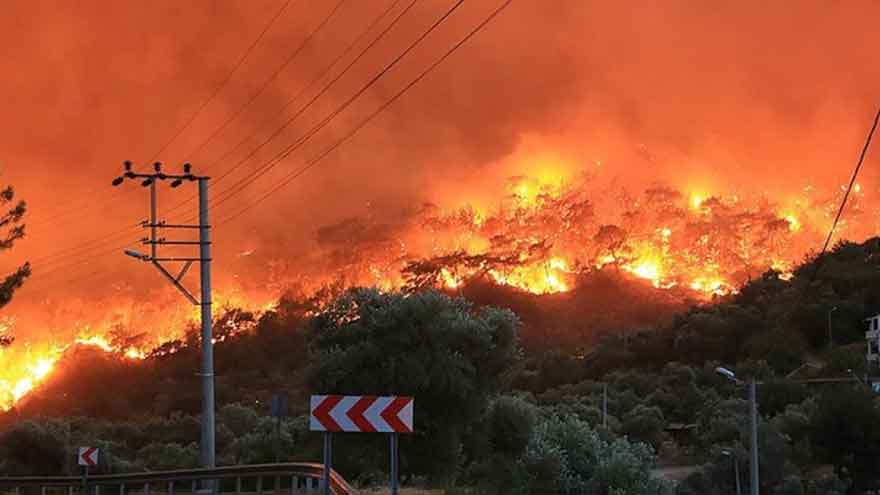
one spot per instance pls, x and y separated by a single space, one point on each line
753 413
732 455
830 334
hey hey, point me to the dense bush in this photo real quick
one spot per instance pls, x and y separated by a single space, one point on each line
517 425
444 351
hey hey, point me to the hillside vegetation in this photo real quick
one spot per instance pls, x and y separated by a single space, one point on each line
508 387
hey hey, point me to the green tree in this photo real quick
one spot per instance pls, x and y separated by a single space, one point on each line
566 455
449 355
31 448
783 350
10 222
646 424
497 442
845 431
167 456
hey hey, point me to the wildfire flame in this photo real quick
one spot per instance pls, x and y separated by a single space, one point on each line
544 235
24 369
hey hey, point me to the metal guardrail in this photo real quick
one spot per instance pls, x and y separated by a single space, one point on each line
287 478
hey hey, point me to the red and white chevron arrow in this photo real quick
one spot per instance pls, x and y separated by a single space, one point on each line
361 414
87 456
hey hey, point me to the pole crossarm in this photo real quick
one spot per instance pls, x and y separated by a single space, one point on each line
154 242
163 242
181 259
162 224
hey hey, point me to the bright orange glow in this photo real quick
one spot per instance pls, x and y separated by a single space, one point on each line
545 232
17 381
25 366
646 269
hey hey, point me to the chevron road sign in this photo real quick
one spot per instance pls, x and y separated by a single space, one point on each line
87 456
361 414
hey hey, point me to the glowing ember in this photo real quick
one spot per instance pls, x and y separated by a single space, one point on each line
646 269
95 341
25 367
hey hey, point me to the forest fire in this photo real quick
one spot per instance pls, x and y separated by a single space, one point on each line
541 237
22 373
26 364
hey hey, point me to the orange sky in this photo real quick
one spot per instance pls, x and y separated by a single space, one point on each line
746 96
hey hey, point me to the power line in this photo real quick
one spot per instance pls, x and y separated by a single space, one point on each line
62 254
296 97
269 81
222 84
268 165
292 176
43 277
87 199
305 107
65 253
365 121
820 259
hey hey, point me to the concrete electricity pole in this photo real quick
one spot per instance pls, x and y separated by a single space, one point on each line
204 258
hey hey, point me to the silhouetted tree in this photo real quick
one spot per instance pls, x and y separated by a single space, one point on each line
845 431
13 230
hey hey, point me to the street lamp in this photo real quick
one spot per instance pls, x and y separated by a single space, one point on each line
851 372
753 412
135 254
830 339
732 455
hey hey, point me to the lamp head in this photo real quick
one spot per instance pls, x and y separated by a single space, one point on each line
726 373
135 254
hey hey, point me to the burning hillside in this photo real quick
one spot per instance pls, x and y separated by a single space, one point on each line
563 151
546 235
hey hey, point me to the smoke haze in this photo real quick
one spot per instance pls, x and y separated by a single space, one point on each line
751 98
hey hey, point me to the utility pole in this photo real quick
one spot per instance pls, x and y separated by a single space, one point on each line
154 224
605 405
753 412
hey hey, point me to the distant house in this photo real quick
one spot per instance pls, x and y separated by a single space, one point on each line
873 338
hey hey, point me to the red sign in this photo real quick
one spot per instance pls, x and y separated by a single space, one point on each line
361 414
88 456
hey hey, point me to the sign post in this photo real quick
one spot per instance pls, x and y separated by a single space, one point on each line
328 460
87 457
361 414
279 410
395 447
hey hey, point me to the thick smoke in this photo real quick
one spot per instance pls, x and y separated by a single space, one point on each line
749 98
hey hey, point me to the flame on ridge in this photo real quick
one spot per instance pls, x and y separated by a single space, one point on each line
540 238
26 364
